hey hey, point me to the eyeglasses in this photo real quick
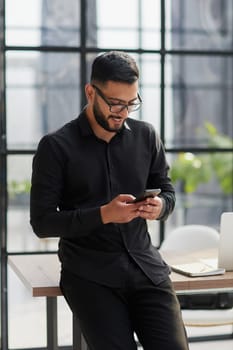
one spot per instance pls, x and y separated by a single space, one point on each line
119 107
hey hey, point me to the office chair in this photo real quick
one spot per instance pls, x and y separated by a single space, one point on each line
191 238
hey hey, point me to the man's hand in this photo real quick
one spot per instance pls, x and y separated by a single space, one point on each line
151 208
121 209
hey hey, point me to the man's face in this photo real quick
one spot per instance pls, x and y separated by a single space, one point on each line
110 104
108 122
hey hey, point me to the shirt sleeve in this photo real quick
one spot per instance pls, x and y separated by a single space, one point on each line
168 199
158 177
47 186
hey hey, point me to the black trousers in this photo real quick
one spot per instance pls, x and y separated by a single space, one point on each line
109 317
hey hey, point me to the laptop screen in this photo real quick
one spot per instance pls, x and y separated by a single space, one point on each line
225 253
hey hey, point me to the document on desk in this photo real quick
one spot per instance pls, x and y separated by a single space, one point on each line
204 267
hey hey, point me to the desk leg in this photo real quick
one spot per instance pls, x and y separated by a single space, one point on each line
52 343
79 342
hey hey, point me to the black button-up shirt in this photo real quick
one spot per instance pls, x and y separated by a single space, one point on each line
74 173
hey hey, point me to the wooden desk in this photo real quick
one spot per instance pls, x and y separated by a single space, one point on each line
185 283
40 273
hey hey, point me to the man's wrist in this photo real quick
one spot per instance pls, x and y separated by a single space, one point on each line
104 214
163 208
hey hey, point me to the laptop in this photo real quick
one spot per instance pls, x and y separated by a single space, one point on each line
225 251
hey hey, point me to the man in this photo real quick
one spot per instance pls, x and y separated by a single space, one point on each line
85 178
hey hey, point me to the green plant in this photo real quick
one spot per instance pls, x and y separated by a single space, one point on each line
18 187
192 170
222 163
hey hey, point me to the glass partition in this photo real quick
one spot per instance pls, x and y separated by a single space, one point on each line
20 236
204 187
198 94
199 25
39 22
127 24
43 92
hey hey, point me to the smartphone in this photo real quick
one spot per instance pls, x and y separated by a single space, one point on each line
147 193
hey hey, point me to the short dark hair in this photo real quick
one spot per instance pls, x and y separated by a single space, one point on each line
116 66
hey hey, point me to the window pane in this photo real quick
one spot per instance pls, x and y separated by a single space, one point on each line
150 24
40 22
127 24
149 65
42 94
199 93
20 235
198 24
204 186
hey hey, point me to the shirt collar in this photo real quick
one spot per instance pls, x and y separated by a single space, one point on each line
126 126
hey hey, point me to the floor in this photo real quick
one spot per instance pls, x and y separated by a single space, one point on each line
211 345
217 345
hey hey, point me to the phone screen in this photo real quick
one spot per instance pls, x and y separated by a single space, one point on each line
147 193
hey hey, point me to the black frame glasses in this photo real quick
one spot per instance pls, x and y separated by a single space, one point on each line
119 107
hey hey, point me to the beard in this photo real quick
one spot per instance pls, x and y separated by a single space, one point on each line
102 120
